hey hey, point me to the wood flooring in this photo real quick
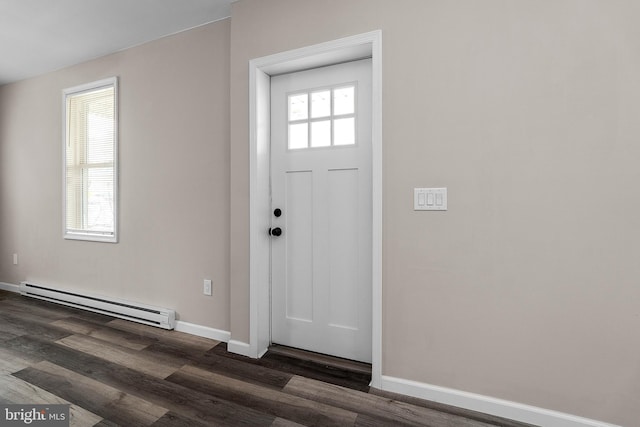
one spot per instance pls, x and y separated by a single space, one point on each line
116 373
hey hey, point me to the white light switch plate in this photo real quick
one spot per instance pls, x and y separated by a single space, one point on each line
429 199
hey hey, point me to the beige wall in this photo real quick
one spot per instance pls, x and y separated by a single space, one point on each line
526 289
174 178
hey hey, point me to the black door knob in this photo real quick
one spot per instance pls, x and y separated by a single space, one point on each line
277 212
275 231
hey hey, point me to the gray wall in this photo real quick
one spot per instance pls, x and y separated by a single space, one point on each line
525 289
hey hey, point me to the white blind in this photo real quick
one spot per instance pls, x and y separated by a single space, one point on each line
90 157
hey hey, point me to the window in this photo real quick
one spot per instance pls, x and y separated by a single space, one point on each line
322 118
90 161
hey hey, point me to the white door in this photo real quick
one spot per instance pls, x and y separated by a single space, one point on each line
321 183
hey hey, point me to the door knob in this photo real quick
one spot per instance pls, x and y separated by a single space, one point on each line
277 212
275 231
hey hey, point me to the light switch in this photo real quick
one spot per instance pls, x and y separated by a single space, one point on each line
430 199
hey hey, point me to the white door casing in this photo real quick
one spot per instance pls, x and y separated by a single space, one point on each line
321 264
260 72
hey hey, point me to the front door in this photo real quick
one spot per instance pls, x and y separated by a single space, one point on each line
321 247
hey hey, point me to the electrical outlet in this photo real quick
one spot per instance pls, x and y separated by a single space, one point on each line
207 287
15 259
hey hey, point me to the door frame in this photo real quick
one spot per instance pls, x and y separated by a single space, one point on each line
367 45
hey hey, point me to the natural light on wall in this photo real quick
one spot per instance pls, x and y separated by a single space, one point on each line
90 145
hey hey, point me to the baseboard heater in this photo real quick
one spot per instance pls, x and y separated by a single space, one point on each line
149 315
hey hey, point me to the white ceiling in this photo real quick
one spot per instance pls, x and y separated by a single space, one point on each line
38 36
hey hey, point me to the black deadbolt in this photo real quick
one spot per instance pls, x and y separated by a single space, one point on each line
275 231
277 212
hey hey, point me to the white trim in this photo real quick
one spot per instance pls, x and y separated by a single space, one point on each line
85 235
202 331
10 287
240 348
376 199
487 405
260 70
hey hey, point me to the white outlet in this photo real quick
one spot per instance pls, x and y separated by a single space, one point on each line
15 259
207 287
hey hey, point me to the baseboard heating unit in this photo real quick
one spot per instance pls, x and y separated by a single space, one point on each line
141 313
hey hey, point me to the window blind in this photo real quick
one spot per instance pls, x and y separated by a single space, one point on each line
90 163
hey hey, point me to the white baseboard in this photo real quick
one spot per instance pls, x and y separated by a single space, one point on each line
203 331
241 348
9 287
488 405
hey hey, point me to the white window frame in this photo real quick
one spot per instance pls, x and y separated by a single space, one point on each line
89 235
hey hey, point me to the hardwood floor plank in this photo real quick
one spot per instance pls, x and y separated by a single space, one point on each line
8 353
101 399
466 413
171 353
63 310
179 338
308 369
374 407
171 419
280 422
24 323
22 305
16 391
104 333
6 295
10 363
231 367
190 403
120 355
6 335
106 423
263 399
322 359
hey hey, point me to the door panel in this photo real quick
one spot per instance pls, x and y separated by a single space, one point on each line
299 244
343 247
321 179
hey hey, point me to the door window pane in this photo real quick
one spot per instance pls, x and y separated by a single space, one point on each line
344 101
344 131
298 136
298 107
321 133
321 104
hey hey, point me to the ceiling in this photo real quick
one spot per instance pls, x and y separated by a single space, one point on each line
38 36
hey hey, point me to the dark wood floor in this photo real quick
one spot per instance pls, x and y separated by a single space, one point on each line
114 372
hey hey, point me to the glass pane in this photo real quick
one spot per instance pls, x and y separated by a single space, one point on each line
344 100
298 107
100 137
321 104
344 131
298 136
100 207
321 133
